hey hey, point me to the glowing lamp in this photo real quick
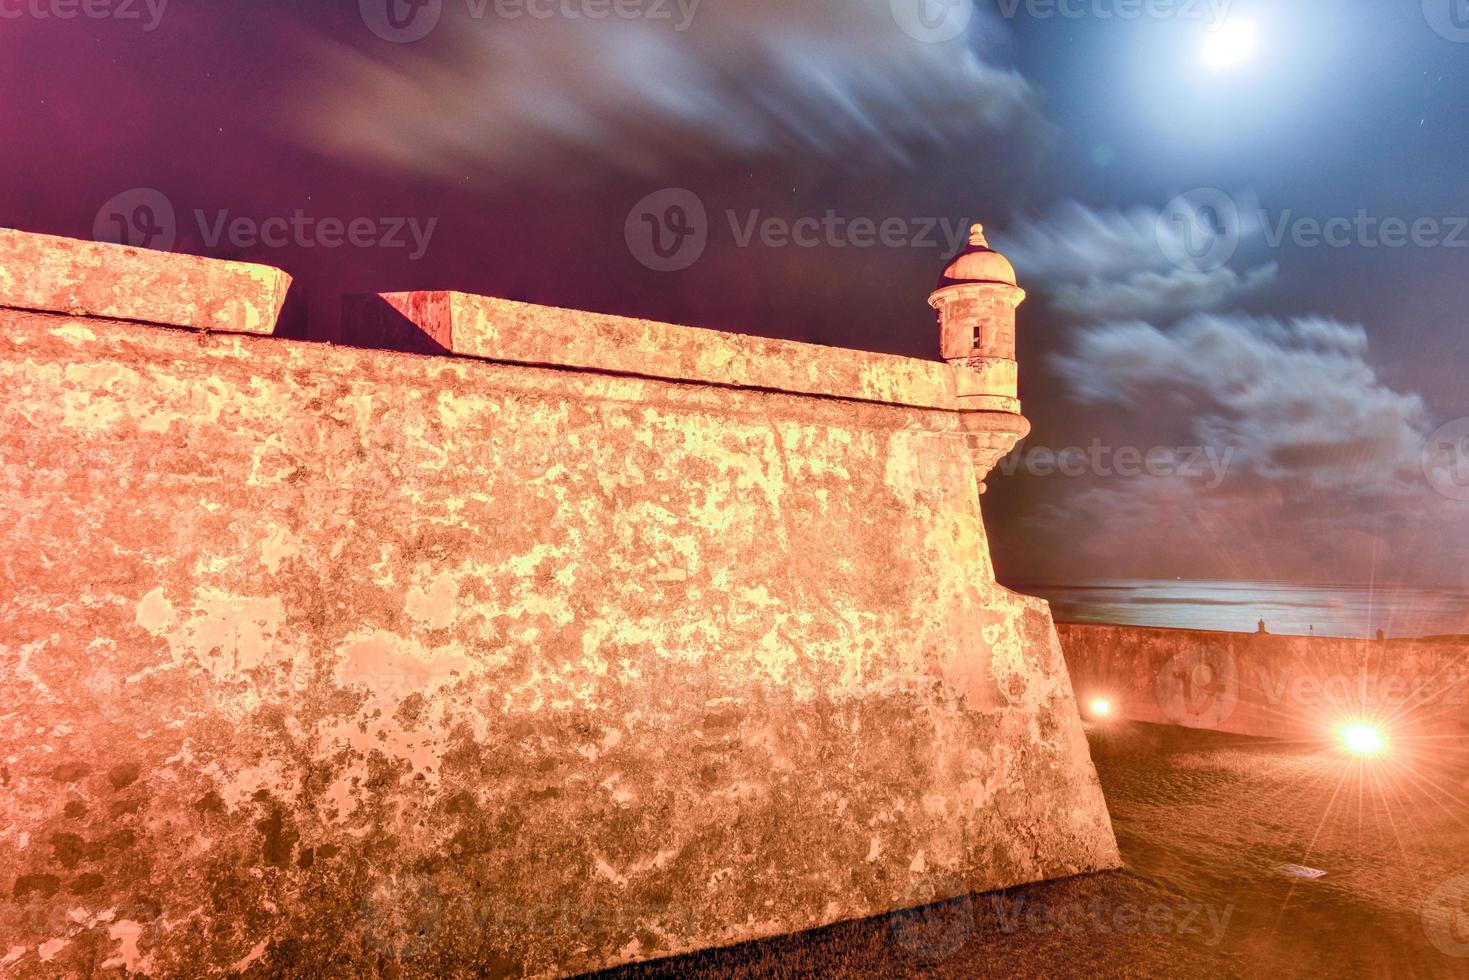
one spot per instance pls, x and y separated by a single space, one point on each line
1364 740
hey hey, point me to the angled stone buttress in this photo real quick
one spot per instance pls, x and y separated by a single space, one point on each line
564 642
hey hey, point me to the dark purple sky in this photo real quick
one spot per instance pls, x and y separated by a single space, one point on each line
517 137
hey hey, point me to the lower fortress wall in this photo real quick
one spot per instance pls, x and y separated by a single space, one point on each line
339 661
1292 687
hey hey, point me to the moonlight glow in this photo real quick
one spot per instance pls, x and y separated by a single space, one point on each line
1233 43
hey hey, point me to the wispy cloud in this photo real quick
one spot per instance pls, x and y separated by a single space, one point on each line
1075 242
1159 294
1292 399
1107 264
1325 476
747 77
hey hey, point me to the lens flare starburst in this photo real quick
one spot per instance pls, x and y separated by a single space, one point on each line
1363 739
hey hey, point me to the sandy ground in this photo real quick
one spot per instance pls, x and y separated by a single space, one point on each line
1202 820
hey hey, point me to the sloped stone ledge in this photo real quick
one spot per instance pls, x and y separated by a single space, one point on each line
521 333
49 274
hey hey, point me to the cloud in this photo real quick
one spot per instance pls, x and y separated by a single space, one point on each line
1153 294
1324 482
1075 242
1107 264
1293 398
747 77
1325 478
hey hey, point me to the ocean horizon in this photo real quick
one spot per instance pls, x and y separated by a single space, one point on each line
1237 607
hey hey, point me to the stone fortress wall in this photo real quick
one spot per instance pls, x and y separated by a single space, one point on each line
566 642
1290 687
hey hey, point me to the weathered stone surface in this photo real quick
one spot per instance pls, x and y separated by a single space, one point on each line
62 275
519 333
345 662
1294 687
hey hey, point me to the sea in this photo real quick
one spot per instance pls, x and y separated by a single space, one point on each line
1237 607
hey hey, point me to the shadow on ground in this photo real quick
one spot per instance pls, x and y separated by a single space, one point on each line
1203 820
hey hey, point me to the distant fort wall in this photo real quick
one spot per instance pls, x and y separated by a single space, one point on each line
567 642
1294 687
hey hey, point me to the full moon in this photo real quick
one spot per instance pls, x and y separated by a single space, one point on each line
1230 44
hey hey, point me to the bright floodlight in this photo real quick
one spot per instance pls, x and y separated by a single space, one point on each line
1230 44
1363 739
1101 708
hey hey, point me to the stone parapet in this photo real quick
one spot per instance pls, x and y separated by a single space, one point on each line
61 275
519 333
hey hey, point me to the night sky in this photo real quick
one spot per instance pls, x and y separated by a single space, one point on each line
520 146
